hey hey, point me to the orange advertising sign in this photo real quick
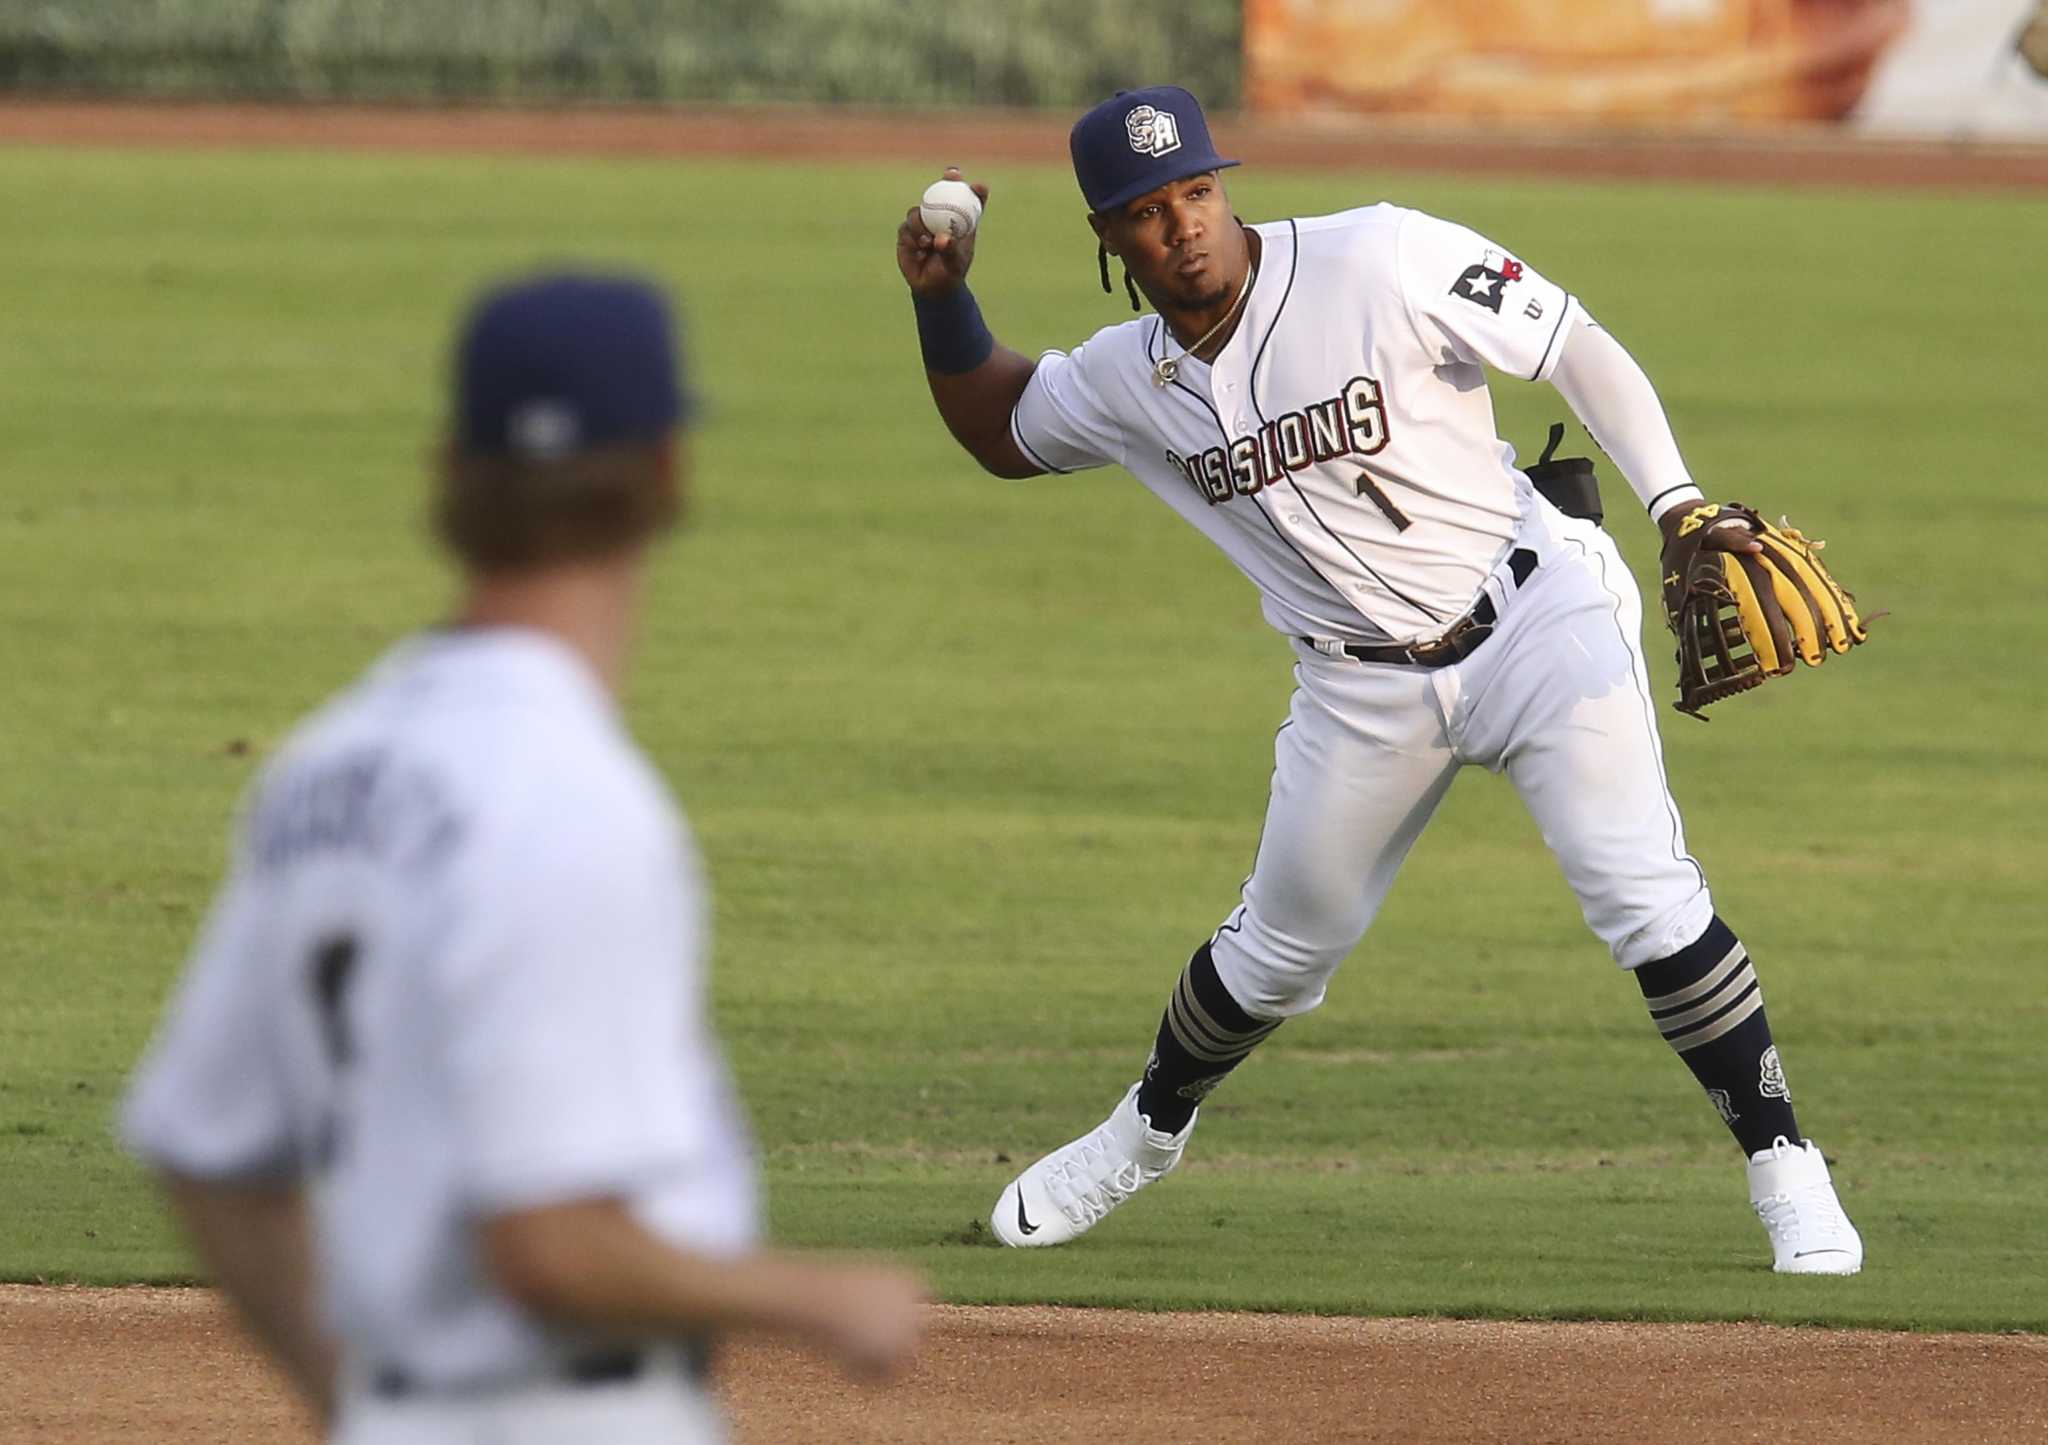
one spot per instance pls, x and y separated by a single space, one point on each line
1654 62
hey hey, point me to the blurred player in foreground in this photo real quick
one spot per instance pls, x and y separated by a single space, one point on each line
438 1100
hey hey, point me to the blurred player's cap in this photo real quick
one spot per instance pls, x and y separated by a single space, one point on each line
1137 141
563 363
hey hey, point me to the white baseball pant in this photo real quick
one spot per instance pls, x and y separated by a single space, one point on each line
1558 698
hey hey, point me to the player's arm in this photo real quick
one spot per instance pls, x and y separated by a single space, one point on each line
256 1243
1613 397
975 383
590 1263
1473 302
208 1112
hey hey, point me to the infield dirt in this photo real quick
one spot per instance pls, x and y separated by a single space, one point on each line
105 1365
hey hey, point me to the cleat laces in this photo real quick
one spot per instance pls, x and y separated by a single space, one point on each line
1808 1214
1812 1214
1090 1181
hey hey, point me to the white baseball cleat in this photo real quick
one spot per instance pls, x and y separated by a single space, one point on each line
1064 1194
1790 1189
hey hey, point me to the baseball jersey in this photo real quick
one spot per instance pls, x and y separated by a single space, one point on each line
1341 447
456 970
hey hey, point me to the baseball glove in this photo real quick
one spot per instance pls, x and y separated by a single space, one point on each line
1744 617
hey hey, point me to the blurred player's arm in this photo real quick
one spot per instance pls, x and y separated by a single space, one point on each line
209 1113
1613 397
975 383
590 1263
256 1242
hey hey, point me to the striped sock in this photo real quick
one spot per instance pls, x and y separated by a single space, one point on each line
1202 1037
1707 1003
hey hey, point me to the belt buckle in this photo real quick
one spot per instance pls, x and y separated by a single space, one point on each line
1436 654
1459 642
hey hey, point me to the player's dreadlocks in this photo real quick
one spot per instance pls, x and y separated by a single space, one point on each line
1130 286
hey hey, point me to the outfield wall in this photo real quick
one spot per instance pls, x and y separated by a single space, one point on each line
1060 53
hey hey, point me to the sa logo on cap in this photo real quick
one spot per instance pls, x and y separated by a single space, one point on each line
1153 132
544 428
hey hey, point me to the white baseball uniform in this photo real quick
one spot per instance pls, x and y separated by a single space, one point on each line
457 970
1341 449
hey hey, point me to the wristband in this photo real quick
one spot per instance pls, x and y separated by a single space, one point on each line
951 332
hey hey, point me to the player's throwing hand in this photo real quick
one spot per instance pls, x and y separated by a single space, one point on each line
934 265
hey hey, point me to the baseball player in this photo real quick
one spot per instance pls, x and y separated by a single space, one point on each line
438 1099
1311 395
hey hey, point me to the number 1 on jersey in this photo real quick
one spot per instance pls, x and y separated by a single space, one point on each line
334 965
1370 490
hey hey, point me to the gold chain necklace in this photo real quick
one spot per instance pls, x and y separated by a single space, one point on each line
1168 369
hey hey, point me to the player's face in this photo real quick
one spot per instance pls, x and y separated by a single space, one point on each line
1181 243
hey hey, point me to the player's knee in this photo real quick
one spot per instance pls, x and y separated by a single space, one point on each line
1715 947
1661 931
1272 975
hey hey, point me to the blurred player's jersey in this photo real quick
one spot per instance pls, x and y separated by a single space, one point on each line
1341 448
457 970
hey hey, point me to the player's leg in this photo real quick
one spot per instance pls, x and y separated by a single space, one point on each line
1357 772
1565 708
1358 769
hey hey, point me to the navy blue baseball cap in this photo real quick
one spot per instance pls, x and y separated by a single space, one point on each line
566 362
1137 141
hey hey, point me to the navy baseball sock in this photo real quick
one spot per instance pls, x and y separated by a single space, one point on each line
1202 1037
1707 1003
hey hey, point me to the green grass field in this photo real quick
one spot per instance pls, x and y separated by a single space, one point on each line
976 763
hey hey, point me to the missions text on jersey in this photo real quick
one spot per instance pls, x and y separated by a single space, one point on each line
1354 422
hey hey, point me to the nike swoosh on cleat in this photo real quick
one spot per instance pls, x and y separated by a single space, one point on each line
1023 1221
1804 1253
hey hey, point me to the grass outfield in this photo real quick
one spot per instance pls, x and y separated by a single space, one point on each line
976 764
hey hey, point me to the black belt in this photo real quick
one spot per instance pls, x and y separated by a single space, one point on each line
611 1367
1459 641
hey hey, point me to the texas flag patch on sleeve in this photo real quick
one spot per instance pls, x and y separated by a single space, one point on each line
1486 283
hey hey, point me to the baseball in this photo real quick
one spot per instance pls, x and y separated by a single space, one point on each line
950 208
